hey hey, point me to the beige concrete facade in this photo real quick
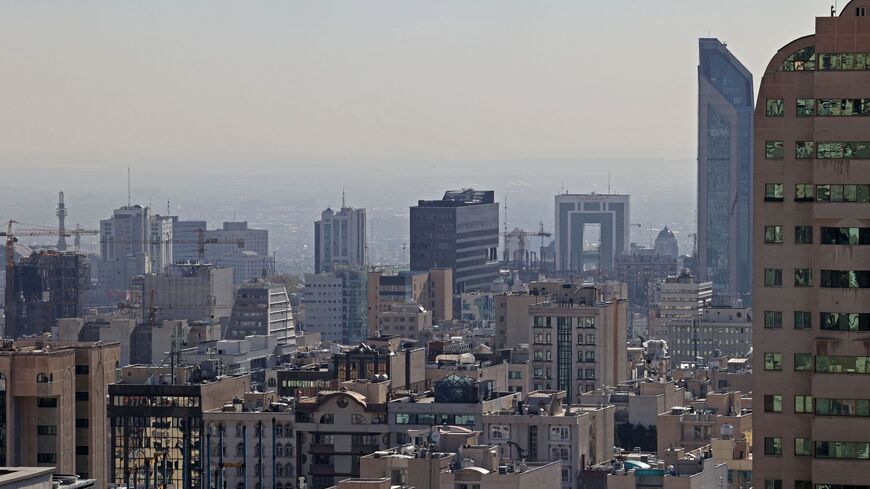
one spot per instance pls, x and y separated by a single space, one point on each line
432 290
54 409
808 365
578 341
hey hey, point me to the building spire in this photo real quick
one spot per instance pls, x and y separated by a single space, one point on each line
342 198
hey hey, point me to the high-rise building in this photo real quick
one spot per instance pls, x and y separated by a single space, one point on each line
677 299
188 291
125 241
640 268
340 240
575 213
460 231
262 308
185 239
724 170
335 305
234 236
811 270
47 286
53 404
161 243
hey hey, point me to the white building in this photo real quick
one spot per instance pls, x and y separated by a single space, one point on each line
161 243
340 239
679 299
125 241
576 214
720 331
262 308
246 265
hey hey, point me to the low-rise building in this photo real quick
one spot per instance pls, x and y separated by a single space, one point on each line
451 457
542 428
693 426
335 428
251 442
411 321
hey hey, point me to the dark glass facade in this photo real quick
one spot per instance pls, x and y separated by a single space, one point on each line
725 128
460 231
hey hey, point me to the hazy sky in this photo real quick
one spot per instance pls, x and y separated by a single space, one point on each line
370 80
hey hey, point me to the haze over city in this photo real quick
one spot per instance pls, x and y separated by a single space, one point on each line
397 244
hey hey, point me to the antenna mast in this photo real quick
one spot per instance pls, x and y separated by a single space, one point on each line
129 187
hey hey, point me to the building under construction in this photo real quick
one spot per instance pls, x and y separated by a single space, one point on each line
47 286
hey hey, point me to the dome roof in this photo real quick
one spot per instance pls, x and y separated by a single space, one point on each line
665 233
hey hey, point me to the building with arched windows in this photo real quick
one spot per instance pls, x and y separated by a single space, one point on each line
52 404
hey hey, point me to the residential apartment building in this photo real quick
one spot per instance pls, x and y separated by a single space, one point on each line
335 428
461 232
432 290
679 299
447 457
578 341
638 269
811 192
544 429
340 240
403 364
718 332
250 442
725 160
52 404
693 426
410 321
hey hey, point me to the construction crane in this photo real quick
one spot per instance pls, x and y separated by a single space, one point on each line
519 255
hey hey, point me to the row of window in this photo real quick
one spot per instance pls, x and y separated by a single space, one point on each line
807 59
830 279
777 484
803 192
773 403
848 450
828 321
587 322
823 107
821 150
435 419
824 364
829 235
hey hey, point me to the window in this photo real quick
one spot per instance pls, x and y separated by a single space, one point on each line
845 236
806 107
803 362
772 484
772 445
803 277
560 433
803 235
804 485
515 375
773 192
843 407
773 150
773 234
803 404
590 373
82 370
775 107
82 396
82 422
845 321
803 447
590 356
842 364
845 450
327 419
46 458
46 429
803 192
804 150
773 361
41 378
773 403
802 60
772 277
845 279
773 319
803 320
